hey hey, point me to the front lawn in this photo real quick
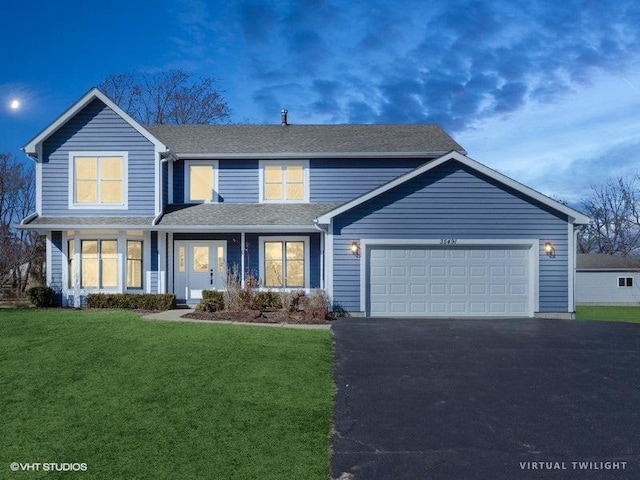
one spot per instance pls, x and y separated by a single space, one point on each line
135 399
608 313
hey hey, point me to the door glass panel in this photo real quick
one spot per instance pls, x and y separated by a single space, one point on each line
182 262
220 259
200 259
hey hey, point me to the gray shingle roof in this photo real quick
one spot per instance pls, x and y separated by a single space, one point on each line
305 139
598 261
91 221
245 214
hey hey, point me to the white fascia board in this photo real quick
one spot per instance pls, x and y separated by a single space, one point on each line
574 216
70 226
32 148
299 155
283 229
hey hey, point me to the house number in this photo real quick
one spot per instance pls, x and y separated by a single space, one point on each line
448 241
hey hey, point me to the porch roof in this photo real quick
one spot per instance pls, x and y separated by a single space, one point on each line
88 222
244 215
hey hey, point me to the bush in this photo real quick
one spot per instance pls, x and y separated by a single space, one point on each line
212 301
132 301
267 301
41 297
320 299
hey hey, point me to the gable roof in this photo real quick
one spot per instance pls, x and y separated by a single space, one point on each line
32 148
601 261
574 216
191 141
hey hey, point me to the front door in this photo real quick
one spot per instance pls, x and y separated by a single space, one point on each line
199 265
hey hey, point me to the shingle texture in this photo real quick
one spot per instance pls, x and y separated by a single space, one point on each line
88 221
593 261
310 139
246 214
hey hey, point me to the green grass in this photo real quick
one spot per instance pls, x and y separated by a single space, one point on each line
135 399
608 313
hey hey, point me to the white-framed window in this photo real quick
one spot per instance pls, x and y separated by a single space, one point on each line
98 179
625 282
134 264
201 181
284 181
284 262
98 263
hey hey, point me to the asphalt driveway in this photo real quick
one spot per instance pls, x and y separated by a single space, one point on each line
486 399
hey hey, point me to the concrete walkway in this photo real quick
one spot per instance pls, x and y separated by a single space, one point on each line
176 316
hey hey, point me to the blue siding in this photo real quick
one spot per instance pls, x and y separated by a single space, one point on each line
165 184
178 181
452 202
238 181
340 180
97 128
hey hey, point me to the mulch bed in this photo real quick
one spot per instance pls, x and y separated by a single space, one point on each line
308 317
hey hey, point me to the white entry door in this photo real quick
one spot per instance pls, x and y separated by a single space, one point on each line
427 281
199 265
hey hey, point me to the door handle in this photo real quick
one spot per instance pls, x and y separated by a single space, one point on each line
211 276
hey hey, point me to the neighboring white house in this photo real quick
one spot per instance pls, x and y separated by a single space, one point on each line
607 279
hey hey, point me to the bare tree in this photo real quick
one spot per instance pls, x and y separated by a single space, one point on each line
171 97
21 252
615 219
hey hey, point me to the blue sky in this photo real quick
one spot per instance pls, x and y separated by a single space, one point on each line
547 92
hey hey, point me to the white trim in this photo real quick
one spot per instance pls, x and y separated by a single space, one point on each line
170 263
146 261
328 259
307 256
243 246
101 206
305 179
33 147
575 217
532 245
49 259
162 262
187 180
39 188
572 234
297 155
170 180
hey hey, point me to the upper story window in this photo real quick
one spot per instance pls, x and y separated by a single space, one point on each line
201 181
625 281
98 179
284 181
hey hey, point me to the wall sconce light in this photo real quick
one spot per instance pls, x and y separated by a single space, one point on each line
355 248
549 249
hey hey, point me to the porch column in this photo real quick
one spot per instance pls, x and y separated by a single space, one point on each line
242 253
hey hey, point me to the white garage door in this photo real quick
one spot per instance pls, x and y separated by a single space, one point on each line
452 281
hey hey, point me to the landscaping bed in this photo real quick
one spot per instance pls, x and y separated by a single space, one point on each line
318 316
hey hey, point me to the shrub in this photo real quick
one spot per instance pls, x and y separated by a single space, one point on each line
41 297
132 301
237 297
267 301
320 299
212 301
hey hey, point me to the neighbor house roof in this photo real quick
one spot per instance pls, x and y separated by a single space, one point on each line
601 261
254 215
191 141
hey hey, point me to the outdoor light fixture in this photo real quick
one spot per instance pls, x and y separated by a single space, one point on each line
355 248
549 249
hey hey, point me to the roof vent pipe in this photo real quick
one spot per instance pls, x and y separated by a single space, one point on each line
284 112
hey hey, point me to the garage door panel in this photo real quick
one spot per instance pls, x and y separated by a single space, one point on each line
451 281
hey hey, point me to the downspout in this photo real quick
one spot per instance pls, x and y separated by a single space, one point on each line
156 219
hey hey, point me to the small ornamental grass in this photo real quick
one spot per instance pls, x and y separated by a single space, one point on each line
163 400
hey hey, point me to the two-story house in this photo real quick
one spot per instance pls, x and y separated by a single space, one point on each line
391 220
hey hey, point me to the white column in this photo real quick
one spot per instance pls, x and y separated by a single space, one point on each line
242 255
